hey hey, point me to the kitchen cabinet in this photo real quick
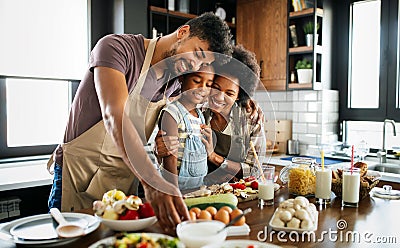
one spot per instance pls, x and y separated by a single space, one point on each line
261 28
298 17
166 18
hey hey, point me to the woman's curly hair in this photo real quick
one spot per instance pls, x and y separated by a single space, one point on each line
243 66
211 28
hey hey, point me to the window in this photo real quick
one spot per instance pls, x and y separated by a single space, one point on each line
44 50
368 69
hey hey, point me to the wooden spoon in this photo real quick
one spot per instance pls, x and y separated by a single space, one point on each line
66 229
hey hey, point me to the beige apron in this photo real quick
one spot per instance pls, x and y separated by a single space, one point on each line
92 164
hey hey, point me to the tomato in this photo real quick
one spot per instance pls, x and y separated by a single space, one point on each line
254 185
250 246
146 210
250 178
129 215
238 186
142 245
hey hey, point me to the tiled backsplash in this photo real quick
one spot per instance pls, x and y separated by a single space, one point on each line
314 115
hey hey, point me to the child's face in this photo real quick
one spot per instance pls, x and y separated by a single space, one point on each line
196 86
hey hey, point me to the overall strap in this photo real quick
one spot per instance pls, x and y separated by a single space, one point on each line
185 114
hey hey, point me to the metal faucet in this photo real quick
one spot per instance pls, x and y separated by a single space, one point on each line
382 153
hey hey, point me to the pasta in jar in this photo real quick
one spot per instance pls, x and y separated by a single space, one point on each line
302 180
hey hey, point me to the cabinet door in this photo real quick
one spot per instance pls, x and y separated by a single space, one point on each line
261 28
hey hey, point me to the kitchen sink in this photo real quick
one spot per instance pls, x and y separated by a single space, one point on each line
386 167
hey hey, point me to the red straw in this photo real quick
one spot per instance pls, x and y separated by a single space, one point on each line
352 159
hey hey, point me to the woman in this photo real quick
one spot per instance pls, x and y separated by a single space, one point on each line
233 85
231 124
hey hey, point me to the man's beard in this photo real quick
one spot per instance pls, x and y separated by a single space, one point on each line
171 61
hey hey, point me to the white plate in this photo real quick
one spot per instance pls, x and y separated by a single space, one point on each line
111 240
92 224
290 229
128 225
241 244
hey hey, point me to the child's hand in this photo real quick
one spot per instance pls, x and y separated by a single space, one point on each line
207 138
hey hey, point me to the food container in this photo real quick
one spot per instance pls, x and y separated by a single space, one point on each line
300 176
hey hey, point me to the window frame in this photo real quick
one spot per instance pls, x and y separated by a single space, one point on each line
23 151
388 65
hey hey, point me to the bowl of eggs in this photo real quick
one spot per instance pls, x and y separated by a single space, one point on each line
201 232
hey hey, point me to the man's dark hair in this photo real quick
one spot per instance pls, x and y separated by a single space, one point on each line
211 28
244 66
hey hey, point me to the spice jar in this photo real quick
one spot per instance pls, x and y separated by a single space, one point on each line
300 176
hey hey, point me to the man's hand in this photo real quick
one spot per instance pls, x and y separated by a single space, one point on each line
165 145
169 209
257 115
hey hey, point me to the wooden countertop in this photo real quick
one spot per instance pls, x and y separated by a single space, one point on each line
369 225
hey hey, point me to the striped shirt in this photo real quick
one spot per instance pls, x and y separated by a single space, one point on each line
195 122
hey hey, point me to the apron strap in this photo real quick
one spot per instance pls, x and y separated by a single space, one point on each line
146 65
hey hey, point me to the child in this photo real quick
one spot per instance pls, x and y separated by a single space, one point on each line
182 118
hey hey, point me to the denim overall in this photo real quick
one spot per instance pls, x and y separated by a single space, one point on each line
194 161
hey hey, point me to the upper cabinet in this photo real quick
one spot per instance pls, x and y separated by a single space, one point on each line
262 28
165 16
305 44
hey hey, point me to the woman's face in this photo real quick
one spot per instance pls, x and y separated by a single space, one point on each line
196 86
224 93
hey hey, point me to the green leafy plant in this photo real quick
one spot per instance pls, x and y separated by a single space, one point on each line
308 28
303 64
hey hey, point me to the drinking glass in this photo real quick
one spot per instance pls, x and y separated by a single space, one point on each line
350 187
266 186
323 185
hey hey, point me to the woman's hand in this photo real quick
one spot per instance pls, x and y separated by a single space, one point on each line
165 145
207 139
257 115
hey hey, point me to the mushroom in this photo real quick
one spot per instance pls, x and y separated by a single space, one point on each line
301 214
294 223
285 216
99 207
277 222
307 224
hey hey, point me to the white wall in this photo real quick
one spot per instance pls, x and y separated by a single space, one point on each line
314 115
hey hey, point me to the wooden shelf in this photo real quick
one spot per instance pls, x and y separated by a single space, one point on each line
304 49
179 14
306 12
300 86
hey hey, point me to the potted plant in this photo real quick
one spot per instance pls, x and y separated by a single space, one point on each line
308 29
304 71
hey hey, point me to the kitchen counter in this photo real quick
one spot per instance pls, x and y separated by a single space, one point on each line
372 224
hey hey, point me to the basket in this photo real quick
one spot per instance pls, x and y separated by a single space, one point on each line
364 189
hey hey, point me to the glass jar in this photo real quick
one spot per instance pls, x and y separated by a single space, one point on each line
300 176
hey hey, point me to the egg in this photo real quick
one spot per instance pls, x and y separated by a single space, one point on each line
205 215
212 210
192 215
196 210
227 208
223 216
236 212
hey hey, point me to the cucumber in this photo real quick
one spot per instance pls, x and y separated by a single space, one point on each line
214 200
217 205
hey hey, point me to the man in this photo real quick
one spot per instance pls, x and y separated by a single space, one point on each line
97 154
